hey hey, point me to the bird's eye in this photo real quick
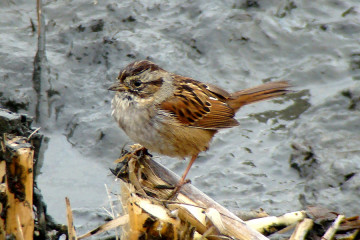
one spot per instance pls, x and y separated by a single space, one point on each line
137 83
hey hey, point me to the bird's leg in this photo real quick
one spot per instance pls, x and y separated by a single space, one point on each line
183 178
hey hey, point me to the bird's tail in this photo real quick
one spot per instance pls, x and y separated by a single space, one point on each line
258 93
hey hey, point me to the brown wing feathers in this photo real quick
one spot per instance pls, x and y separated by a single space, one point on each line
210 107
220 116
194 105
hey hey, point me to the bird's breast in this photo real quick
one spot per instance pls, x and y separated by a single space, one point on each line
156 130
133 116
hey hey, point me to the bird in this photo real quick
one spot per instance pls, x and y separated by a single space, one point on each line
178 116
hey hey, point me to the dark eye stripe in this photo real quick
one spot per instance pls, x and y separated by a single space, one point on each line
137 83
157 82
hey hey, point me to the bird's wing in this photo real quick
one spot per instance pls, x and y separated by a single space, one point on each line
199 105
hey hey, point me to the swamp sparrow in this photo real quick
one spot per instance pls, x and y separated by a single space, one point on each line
178 116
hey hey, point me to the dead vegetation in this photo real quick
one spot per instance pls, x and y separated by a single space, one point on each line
149 213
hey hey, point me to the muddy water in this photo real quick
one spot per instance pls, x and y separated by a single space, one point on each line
299 150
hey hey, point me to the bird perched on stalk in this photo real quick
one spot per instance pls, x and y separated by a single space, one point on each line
175 115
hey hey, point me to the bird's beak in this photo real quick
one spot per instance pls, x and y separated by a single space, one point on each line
118 86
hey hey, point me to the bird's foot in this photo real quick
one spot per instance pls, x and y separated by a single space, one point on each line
178 187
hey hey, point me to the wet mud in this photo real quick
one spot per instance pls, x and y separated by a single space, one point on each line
299 150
